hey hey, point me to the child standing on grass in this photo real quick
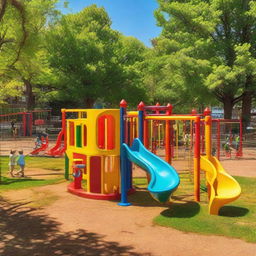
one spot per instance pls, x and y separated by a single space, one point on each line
21 163
12 162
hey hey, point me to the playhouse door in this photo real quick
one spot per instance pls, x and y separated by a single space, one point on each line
95 174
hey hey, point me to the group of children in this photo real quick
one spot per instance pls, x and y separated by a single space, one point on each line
13 160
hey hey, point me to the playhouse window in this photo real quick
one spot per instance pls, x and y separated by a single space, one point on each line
79 136
106 132
83 114
71 134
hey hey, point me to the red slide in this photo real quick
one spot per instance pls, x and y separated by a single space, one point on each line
58 149
43 147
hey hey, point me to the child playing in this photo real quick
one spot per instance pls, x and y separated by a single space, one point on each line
21 163
12 160
38 142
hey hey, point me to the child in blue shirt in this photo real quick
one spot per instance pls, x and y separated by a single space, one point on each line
21 163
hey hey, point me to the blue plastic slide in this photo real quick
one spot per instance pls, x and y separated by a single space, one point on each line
164 178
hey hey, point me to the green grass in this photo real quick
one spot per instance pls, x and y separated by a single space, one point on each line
18 183
36 162
237 219
53 164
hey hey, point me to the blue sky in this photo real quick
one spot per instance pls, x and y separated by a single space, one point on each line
130 17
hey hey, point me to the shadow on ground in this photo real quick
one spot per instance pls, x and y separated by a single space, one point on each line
24 231
186 209
143 198
233 211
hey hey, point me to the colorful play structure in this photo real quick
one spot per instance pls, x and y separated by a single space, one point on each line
101 145
41 144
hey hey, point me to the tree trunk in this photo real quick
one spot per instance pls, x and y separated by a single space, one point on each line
246 108
228 107
30 98
89 102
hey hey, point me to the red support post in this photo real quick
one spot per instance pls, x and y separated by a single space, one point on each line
197 160
24 123
63 127
157 111
241 138
145 132
30 123
218 139
168 158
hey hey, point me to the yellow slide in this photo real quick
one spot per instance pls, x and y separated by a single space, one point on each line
222 188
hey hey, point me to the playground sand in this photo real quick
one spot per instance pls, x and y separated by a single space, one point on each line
75 226
26 144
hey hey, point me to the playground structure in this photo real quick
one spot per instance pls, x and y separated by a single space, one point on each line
95 154
93 142
41 144
60 146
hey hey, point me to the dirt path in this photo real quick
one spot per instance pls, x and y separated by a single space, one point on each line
66 225
129 230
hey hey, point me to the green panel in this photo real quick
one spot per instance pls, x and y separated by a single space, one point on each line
79 136
66 167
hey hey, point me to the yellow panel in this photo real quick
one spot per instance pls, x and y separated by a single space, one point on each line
111 179
132 113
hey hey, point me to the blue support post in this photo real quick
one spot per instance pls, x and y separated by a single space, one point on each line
141 120
123 157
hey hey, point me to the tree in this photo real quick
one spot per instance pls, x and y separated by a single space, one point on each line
22 59
219 34
90 59
174 78
13 36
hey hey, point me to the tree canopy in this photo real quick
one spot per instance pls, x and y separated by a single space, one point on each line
92 60
217 38
22 25
205 54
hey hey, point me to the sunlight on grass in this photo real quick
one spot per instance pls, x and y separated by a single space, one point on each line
236 220
36 162
18 183
52 164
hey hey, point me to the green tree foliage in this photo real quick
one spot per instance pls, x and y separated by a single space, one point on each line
211 44
92 61
22 58
175 78
13 35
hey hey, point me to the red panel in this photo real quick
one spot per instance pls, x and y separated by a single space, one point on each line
71 134
80 156
95 174
85 135
39 122
110 132
101 132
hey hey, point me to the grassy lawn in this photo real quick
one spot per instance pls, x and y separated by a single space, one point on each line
237 219
52 164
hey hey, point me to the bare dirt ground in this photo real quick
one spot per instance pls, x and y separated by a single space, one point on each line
25 144
49 221
78 226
